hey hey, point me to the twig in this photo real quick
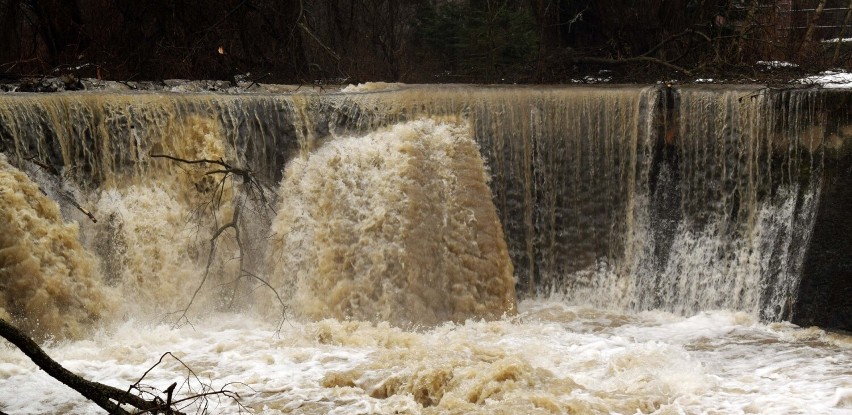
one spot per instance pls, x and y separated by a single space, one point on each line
667 40
65 195
318 41
227 168
205 391
80 208
274 291
255 81
50 169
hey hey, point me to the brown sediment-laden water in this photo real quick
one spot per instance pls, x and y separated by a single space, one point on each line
436 249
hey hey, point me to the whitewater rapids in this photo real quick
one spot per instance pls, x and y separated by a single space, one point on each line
549 359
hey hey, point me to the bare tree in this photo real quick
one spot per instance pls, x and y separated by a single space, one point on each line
250 191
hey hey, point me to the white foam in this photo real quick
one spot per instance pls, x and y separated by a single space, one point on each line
551 356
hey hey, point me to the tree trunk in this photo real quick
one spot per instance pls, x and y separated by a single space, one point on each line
846 22
809 35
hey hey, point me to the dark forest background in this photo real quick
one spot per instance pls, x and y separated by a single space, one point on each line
347 41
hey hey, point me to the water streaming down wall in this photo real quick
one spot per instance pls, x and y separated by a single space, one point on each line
155 216
564 162
683 199
729 211
643 198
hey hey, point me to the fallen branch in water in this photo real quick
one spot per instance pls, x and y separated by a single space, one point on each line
114 400
203 391
105 396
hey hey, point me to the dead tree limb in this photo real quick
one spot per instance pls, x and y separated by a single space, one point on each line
670 39
74 203
252 189
203 392
48 168
114 400
210 255
646 57
255 81
105 396
61 193
274 291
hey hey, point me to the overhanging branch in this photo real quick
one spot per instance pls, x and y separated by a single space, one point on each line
636 59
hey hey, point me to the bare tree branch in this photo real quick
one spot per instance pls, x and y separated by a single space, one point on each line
105 396
63 194
635 59
251 190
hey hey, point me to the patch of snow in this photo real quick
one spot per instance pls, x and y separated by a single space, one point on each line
830 79
371 86
704 81
596 80
838 40
777 64
591 80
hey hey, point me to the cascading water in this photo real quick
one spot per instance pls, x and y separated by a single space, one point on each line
51 285
713 220
652 232
597 210
735 219
397 227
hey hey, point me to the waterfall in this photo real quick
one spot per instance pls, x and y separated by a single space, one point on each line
682 199
50 283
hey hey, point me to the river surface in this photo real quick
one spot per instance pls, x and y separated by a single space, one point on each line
549 358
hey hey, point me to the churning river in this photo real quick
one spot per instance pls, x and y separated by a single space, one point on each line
549 359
